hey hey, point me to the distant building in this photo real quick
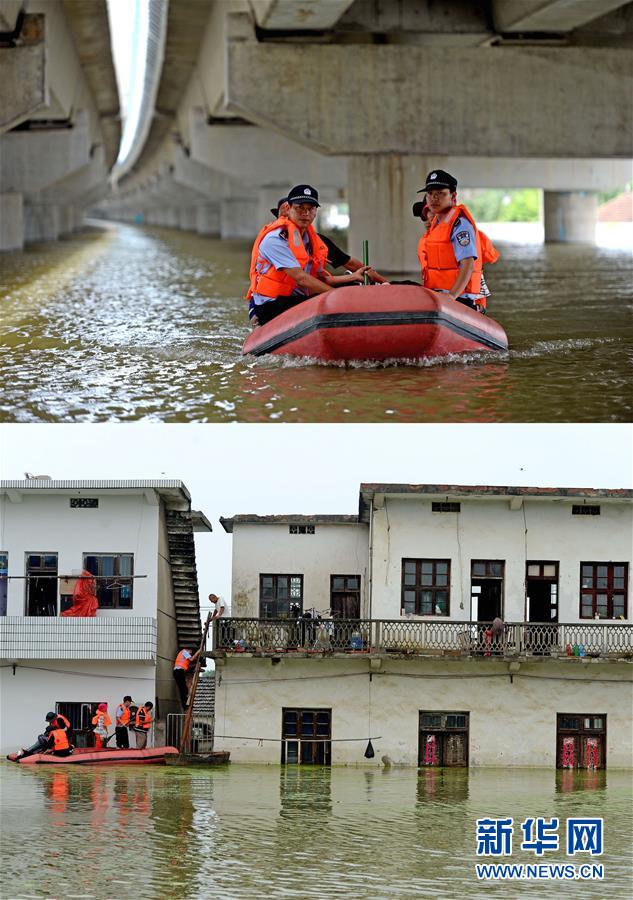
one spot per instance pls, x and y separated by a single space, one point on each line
453 625
136 537
619 209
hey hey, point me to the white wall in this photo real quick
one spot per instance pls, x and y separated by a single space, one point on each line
511 724
27 695
123 523
489 529
271 549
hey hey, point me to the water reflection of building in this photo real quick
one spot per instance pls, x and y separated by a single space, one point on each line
136 539
453 625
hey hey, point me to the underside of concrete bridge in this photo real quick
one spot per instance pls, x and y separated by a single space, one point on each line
59 116
361 98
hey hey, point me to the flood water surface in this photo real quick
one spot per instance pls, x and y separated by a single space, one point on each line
122 322
247 832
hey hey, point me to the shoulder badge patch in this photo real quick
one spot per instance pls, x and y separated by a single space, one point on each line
463 238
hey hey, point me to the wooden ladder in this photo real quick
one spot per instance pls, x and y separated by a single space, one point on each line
186 728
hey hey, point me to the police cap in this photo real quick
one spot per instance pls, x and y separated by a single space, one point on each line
438 178
304 193
275 211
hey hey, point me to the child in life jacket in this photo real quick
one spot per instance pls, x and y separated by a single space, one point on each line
452 251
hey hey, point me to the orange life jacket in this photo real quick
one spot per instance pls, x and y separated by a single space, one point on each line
181 661
143 718
275 283
60 739
123 717
106 720
437 257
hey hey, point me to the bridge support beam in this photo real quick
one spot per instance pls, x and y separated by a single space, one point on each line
41 222
239 218
570 217
381 190
208 219
11 222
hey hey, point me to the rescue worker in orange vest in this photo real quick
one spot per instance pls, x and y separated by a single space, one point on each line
122 717
101 721
288 260
142 724
54 738
181 667
453 251
63 722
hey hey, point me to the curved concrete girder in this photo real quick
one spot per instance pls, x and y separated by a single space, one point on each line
511 101
79 186
186 22
35 160
549 15
23 83
546 174
261 156
90 27
290 15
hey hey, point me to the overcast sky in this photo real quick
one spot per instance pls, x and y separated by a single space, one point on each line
314 468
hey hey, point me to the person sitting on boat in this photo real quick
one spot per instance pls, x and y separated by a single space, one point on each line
54 739
142 724
101 721
336 257
452 251
288 260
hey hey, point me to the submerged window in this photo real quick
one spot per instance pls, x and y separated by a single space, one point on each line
581 741
603 590
306 737
114 575
277 593
426 587
301 529
443 739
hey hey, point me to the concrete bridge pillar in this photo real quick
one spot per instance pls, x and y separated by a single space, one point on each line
67 219
570 217
188 218
267 198
208 219
239 218
11 222
381 190
41 222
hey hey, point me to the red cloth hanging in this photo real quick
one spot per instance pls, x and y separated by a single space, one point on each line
85 603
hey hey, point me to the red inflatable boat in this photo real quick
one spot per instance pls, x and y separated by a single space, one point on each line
377 322
90 756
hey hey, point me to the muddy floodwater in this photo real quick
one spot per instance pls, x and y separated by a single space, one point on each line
122 322
250 832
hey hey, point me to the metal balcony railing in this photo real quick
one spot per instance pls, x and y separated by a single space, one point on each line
405 636
114 637
200 737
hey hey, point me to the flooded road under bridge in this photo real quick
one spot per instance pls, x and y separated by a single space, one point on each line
122 323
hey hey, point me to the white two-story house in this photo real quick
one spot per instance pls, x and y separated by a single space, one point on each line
452 625
137 539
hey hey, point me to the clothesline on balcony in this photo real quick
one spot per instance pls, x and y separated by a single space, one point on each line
84 674
36 577
466 675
